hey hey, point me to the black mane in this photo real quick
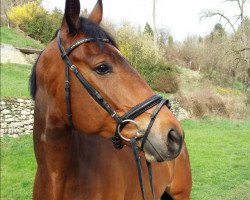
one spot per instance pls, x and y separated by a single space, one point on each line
94 31
87 27
32 79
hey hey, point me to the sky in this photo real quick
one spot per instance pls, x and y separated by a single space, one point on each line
180 17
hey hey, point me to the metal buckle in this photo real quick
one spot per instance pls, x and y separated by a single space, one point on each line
114 114
67 84
137 134
73 68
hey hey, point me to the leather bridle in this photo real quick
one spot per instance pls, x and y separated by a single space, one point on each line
121 121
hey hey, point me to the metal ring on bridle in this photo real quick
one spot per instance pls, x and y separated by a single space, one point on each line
125 122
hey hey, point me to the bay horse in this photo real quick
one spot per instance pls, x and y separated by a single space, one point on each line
86 93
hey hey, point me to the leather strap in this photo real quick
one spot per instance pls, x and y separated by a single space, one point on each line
150 174
93 93
131 114
152 120
67 95
142 107
139 170
138 165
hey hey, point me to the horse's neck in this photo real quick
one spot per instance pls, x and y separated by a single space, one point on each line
60 155
63 148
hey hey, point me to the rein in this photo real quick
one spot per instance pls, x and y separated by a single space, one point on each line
128 117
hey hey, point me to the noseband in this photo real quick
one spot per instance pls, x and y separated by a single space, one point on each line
123 120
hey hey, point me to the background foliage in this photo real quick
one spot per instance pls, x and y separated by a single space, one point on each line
147 58
21 14
218 58
43 26
33 19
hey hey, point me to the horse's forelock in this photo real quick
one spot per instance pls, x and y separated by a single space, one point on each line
95 31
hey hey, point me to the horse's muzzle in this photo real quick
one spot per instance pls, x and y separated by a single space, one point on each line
166 147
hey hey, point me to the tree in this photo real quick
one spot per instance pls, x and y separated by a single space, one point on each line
218 32
148 30
200 39
43 26
162 36
221 15
170 41
21 14
240 18
6 5
241 51
154 23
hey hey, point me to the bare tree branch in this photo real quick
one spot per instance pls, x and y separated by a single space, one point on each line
237 18
238 1
241 6
244 49
208 13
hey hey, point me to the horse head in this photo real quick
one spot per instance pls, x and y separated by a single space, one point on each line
104 94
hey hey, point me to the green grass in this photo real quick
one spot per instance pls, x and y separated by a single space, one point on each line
219 153
220 158
17 38
15 80
17 168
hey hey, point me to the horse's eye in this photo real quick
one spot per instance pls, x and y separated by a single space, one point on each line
103 69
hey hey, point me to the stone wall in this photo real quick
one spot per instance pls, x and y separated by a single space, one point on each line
178 111
17 115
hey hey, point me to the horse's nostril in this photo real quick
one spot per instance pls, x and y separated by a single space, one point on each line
174 141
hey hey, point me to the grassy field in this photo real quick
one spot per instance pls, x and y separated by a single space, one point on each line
15 80
17 168
219 153
17 38
220 158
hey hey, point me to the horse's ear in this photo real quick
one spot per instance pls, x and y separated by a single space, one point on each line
71 16
96 14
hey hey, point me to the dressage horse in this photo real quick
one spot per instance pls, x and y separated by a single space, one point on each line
100 131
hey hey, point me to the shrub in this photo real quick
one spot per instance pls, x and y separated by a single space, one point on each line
147 58
203 103
217 57
20 14
248 98
166 82
35 21
228 91
42 27
190 53
236 107
207 103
